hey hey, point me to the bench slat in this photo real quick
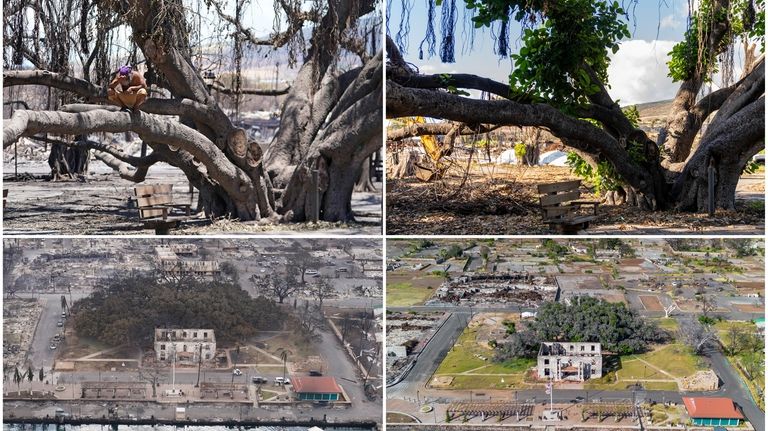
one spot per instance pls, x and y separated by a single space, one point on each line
154 200
559 187
151 213
548 200
153 189
553 212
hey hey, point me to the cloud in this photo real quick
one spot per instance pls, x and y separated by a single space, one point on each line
638 72
670 21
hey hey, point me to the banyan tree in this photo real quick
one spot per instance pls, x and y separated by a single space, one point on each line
559 82
330 119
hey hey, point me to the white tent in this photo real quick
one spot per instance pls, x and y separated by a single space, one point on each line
553 158
508 156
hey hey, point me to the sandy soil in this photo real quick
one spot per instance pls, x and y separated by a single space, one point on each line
503 200
99 205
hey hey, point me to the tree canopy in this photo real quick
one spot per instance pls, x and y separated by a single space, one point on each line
129 308
617 328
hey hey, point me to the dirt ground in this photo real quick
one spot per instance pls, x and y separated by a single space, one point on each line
503 200
100 204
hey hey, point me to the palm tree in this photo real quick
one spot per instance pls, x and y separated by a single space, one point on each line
17 378
41 375
284 357
30 373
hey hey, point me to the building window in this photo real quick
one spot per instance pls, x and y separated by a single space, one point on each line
593 348
185 347
546 362
205 335
546 371
194 335
162 347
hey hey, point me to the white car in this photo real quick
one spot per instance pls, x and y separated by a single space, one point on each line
311 272
237 372
282 381
53 346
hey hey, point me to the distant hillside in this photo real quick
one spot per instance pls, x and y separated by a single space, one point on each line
659 109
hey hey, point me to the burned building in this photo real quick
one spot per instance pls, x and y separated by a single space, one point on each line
516 288
190 345
575 362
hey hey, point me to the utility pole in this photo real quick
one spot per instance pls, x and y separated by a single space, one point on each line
199 364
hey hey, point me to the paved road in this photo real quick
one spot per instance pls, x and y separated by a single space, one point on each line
40 353
430 357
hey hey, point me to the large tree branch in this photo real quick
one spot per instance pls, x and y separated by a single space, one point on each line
404 102
422 129
458 80
148 127
80 87
221 88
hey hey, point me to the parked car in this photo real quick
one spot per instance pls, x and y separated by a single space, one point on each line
342 269
237 372
315 373
64 315
258 379
59 323
53 346
282 381
311 272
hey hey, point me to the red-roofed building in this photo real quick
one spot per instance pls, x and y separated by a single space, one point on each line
311 388
713 411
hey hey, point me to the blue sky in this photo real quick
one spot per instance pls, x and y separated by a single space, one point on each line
638 71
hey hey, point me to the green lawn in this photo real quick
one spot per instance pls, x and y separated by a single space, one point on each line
669 324
405 294
514 381
518 365
676 359
462 357
634 369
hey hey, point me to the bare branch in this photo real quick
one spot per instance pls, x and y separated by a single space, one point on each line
221 88
148 127
421 129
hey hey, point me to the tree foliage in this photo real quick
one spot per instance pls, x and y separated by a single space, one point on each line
129 308
617 328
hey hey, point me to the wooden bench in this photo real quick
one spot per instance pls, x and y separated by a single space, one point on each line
561 208
155 203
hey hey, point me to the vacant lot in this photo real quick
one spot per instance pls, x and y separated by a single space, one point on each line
410 289
651 302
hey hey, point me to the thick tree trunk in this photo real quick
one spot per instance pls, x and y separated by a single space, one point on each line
68 162
405 165
364 183
727 146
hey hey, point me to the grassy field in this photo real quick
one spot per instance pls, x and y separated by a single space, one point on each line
462 357
466 357
676 360
669 324
405 294
468 381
